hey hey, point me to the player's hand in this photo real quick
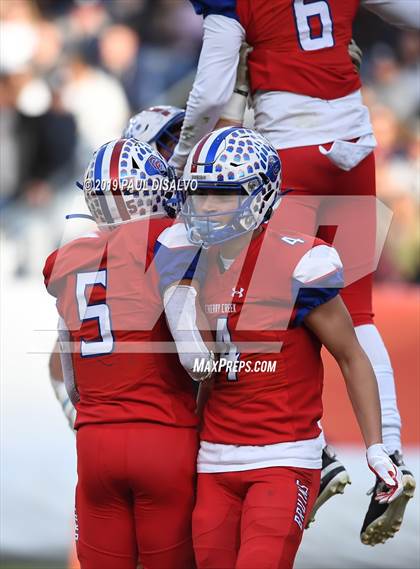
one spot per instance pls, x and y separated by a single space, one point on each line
64 400
356 54
200 373
382 466
71 416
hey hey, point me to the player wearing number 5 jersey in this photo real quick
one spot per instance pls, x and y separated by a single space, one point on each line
307 102
136 422
269 297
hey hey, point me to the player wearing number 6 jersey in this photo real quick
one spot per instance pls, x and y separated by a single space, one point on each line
271 297
307 101
136 422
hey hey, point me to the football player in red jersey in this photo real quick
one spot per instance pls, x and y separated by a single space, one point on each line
160 127
136 422
307 101
272 299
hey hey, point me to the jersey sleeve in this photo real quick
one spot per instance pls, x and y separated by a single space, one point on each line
400 13
317 278
176 259
221 7
48 272
213 84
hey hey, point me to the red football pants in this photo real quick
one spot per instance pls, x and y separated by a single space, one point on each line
315 206
135 496
252 519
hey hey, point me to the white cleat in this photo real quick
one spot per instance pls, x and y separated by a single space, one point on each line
334 479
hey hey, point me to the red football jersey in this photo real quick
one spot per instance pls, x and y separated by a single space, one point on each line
107 293
299 46
257 307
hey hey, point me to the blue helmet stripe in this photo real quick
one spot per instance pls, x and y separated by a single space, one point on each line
211 154
97 176
98 167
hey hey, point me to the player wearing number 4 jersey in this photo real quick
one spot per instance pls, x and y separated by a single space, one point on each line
307 101
272 297
136 422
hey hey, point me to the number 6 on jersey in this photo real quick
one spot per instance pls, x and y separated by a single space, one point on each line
306 15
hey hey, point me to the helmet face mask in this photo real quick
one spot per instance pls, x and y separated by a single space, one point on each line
168 139
127 180
215 213
242 164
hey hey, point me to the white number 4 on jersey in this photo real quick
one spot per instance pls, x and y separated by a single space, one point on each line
292 240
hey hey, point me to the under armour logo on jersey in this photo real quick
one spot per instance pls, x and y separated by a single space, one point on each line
239 292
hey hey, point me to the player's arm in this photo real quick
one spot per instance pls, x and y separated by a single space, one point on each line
356 55
185 322
190 331
400 13
57 382
181 267
332 324
214 82
233 112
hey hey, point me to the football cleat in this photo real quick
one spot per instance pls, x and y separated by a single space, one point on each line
382 521
334 478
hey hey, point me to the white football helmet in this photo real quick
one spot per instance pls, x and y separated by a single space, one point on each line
159 126
127 180
231 161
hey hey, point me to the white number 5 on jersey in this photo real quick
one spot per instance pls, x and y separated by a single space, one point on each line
99 312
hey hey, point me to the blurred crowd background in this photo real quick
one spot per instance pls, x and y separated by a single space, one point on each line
72 72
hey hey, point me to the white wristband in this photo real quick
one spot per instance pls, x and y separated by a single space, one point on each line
234 109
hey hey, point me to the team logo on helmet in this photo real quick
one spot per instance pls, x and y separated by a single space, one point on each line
273 167
154 166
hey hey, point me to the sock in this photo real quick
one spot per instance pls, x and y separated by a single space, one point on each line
322 436
372 343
